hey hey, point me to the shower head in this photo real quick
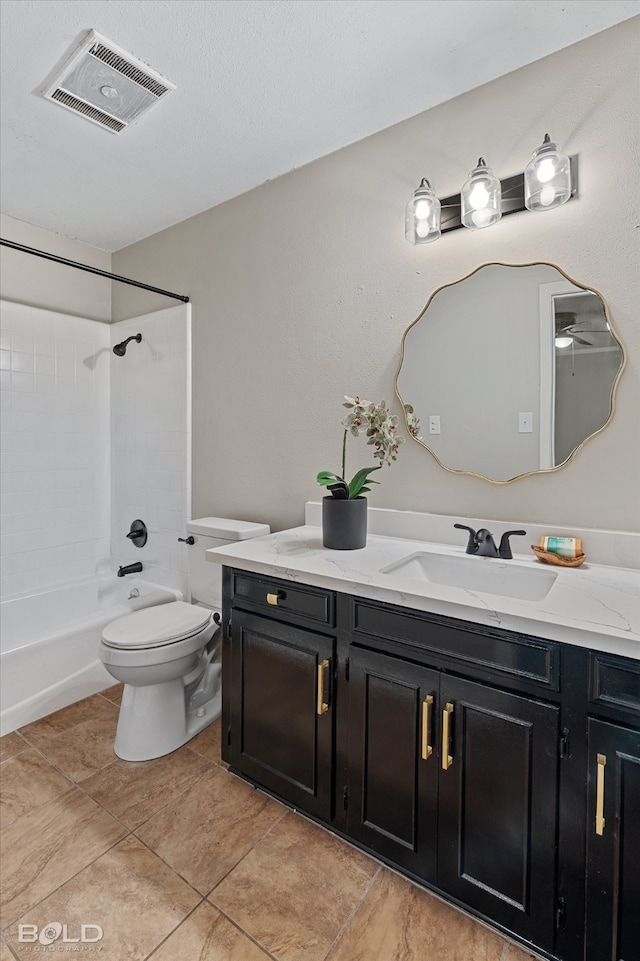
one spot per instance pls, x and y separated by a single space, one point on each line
121 349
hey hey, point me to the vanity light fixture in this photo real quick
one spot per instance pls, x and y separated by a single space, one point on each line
549 180
547 177
481 198
422 215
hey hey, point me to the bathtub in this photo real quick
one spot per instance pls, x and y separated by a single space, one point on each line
49 643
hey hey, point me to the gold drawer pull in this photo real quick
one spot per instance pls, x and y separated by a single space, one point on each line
427 749
447 759
273 599
323 705
602 763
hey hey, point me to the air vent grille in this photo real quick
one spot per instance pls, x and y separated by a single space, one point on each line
103 83
128 69
91 113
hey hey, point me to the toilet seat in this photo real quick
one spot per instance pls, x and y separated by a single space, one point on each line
156 626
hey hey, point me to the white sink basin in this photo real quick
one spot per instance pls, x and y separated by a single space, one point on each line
488 575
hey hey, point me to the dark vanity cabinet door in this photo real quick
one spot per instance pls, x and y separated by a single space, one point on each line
497 809
613 843
393 760
282 710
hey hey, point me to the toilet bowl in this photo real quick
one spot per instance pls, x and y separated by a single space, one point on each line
168 657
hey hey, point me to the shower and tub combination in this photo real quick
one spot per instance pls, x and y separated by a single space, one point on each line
96 431
50 643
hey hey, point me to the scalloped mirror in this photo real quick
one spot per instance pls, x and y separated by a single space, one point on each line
511 370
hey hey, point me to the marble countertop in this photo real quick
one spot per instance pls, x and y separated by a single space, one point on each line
593 606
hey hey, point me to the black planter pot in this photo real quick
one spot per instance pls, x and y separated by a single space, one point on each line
344 523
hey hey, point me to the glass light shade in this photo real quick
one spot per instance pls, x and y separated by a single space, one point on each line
547 178
481 198
563 342
422 215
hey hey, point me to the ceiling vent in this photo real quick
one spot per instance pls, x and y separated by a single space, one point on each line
106 85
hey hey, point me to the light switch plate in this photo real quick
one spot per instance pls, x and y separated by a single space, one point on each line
434 423
525 422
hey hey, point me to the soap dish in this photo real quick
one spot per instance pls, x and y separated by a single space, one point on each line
547 557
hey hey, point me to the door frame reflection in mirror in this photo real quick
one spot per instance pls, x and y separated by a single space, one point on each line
423 415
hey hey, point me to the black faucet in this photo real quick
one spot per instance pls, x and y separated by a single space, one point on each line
482 543
130 569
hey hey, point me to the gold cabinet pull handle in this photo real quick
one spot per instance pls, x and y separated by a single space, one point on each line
602 763
427 749
273 599
323 706
447 759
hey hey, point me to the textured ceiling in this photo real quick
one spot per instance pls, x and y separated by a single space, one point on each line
263 87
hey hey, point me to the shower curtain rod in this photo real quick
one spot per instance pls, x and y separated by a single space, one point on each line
91 270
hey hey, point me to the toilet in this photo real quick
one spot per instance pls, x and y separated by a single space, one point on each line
168 656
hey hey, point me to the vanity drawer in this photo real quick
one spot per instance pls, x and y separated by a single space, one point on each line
614 682
283 599
450 640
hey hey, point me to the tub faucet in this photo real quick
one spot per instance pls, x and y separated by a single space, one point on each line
130 569
482 543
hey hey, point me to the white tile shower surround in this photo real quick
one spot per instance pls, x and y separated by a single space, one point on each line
55 448
151 441
77 468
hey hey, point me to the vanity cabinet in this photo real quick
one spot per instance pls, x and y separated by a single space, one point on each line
499 769
392 774
430 709
453 781
613 812
280 708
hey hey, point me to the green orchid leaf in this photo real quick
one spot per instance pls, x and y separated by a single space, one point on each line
325 478
359 480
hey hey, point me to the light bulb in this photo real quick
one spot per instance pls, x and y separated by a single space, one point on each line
547 196
547 177
422 215
563 342
479 197
482 217
546 170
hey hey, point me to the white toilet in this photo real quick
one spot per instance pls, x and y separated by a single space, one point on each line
168 657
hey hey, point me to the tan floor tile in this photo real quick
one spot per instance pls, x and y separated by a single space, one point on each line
79 738
519 954
230 816
129 893
27 781
47 846
295 889
5 953
207 936
207 742
12 744
114 693
134 790
397 921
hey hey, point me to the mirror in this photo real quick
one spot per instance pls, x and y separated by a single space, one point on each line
510 370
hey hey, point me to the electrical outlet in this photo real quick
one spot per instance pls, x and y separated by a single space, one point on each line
434 423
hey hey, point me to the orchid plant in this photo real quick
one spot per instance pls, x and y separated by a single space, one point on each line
381 429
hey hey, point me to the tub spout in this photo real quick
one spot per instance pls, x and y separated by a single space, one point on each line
130 569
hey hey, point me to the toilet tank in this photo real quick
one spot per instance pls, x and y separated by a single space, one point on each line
205 578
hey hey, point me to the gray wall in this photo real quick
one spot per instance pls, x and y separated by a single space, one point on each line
302 288
31 280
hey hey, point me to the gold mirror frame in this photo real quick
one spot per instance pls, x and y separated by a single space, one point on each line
549 470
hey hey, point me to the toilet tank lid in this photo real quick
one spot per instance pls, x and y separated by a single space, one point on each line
230 530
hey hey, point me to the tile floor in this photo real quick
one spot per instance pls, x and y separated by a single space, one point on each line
179 860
